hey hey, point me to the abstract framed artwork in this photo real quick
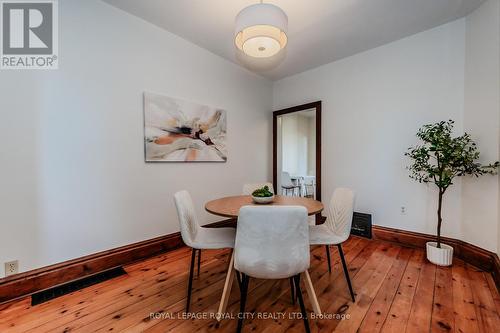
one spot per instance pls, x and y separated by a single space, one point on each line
181 131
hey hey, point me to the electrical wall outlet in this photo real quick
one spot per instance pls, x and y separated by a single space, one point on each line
403 210
11 267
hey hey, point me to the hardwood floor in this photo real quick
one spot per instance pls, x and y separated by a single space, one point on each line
397 290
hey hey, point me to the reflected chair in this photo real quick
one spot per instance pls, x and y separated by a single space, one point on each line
197 237
288 185
249 188
272 243
336 228
309 189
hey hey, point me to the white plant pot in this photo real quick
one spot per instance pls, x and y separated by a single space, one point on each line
440 256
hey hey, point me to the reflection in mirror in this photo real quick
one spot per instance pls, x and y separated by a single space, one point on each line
296 153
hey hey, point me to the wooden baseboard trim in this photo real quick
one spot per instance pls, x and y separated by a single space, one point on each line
26 283
481 258
496 271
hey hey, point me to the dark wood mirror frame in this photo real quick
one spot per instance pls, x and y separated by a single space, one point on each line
303 107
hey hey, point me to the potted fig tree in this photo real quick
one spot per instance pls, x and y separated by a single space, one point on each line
439 159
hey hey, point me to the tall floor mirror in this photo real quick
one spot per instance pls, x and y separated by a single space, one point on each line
297 151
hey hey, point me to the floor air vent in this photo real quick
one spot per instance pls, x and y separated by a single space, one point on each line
361 225
47 295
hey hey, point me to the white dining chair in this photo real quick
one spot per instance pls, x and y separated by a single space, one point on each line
288 185
197 237
249 188
308 187
336 228
272 243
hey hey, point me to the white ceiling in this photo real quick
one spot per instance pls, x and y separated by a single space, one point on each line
319 32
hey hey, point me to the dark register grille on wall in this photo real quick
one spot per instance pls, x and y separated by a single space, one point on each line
361 225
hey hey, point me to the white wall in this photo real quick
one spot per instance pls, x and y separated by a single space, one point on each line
481 118
289 143
74 181
373 104
73 178
375 101
19 188
311 148
303 144
297 143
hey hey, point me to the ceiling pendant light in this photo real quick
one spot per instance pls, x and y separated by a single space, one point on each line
261 30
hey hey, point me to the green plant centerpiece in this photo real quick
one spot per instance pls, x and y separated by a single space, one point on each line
440 158
262 192
263 195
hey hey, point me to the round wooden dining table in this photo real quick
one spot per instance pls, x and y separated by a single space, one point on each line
230 206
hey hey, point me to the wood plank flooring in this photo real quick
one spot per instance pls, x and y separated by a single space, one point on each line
397 290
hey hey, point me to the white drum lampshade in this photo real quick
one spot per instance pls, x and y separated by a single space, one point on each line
261 30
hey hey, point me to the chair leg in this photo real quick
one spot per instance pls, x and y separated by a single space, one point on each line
346 271
238 278
327 247
190 283
243 300
292 289
301 302
199 260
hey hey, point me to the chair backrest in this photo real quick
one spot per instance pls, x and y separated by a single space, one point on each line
286 180
249 188
272 242
339 212
309 180
187 217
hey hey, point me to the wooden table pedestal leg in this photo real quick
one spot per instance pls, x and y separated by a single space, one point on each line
311 293
227 289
